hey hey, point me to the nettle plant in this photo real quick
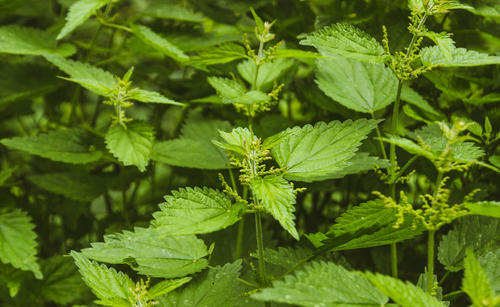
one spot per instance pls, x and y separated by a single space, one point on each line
199 249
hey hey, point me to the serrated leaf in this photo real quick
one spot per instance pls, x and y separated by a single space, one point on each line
367 225
278 198
269 72
149 96
443 41
221 54
159 43
476 283
61 145
92 78
18 242
346 40
231 91
78 13
77 186
321 151
480 234
489 262
194 148
15 39
486 208
167 286
106 283
173 12
196 211
150 252
61 282
363 87
323 284
215 288
286 257
459 57
133 145
238 140
403 293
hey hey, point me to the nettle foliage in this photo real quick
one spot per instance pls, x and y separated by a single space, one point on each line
242 153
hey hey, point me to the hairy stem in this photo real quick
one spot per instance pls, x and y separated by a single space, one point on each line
392 148
430 261
260 248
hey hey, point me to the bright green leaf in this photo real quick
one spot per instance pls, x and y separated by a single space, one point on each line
167 286
323 284
321 151
18 242
346 40
278 198
215 288
403 293
24 40
477 284
70 146
149 96
363 87
159 43
269 72
459 57
196 211
151 252
107 284
78 13
131 145
486 208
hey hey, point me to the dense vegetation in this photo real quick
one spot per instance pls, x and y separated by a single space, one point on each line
249 153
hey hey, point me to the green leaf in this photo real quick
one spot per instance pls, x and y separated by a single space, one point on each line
194 148
323 284
77 186
215 288
159 43
486 208
367 225
149 96
321 151
237 140
70 146
132 145
460 57
78 13
18 242
278 198
477 284
167 286
151 252
231 91
363 87
480 234
106 283
196 211
403 293
92 78
221 54
25 40
489 262
173 12
269 72
61 282
346 40
443 41
411 96
286 257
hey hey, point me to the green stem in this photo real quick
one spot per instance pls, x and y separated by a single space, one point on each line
379 136
430 261
260 248
450 295
394 260
239 238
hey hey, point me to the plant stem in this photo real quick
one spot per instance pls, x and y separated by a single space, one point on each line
379 136
260 248
392 148
430 261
